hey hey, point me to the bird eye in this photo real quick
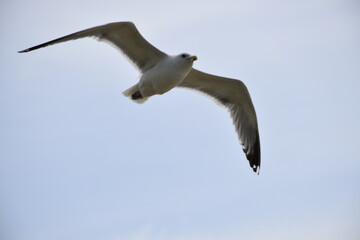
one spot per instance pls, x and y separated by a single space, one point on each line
183 55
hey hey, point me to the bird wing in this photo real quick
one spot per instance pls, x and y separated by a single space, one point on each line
124 36
234 95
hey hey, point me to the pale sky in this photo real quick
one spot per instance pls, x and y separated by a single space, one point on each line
80 161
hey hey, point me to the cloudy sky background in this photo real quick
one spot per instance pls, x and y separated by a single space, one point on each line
80 161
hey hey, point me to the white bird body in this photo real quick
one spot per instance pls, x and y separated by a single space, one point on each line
168 73
162 72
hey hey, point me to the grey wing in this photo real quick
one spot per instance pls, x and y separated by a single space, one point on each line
234 95
122 35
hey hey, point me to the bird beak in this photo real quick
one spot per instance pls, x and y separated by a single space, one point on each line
193 58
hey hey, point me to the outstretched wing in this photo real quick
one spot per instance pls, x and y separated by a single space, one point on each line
122 35
234 95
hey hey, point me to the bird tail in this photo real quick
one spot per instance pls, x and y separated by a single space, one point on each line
130 94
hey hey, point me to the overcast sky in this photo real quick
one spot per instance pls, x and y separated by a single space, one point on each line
80 161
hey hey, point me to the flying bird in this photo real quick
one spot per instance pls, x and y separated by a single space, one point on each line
161 72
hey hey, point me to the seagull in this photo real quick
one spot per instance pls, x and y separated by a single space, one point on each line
161 72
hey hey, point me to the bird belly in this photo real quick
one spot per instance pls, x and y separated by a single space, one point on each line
160 81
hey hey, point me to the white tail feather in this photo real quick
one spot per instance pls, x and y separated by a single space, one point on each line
129 92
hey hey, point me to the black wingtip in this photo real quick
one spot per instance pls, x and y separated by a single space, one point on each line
254 156
23 51
256 169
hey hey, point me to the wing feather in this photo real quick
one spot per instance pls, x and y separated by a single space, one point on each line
234 95
124 36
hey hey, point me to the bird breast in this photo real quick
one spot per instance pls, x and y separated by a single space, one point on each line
164 76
